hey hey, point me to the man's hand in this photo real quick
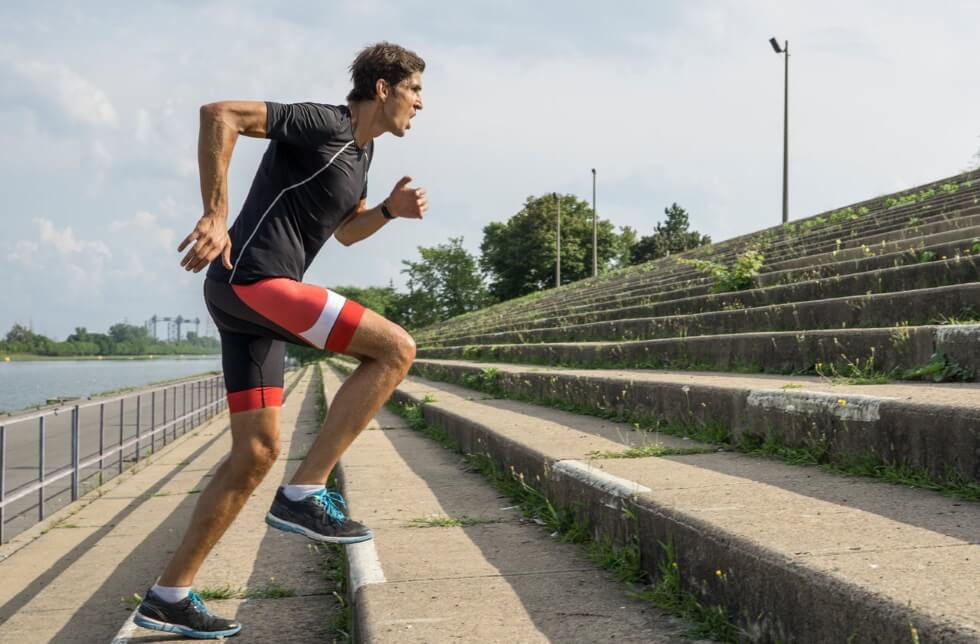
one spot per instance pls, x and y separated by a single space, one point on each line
211 239
410 203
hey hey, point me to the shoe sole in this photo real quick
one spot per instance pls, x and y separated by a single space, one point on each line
146 622
287 526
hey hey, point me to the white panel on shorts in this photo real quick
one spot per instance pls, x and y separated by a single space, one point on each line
318 333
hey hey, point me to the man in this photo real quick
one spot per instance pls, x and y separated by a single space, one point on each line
310 184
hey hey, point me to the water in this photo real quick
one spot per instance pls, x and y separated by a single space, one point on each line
25 384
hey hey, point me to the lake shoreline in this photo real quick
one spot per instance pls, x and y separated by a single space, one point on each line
30 357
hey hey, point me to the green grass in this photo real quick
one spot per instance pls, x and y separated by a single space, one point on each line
132 601
449 522
218 592
271 591
653 449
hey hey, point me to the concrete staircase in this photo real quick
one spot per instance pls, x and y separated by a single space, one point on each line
730 436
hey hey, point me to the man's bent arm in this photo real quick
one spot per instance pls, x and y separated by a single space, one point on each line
360 224
221 123
403 202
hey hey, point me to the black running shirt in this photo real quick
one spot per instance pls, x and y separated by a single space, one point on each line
311 176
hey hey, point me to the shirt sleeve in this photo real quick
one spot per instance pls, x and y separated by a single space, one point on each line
303 124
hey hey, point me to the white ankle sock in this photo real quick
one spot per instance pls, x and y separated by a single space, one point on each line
171 594
297 492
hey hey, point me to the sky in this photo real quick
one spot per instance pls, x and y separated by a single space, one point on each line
670 101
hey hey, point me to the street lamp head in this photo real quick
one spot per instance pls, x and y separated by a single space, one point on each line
775 45
593 170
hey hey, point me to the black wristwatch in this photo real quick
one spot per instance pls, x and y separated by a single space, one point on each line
384 210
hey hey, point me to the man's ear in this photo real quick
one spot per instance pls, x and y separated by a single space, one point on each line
381 89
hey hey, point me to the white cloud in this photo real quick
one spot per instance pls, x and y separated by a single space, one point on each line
24 253
64 241
59 87
144 230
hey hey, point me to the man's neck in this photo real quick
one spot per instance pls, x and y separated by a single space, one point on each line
365 121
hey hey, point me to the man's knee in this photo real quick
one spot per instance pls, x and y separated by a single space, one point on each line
406 350
257 455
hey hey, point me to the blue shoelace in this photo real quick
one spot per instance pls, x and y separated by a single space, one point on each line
331 502
198 603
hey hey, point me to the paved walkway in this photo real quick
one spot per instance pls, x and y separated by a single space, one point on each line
500 579
68 583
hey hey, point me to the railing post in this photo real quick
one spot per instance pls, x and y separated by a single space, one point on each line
164 416
101 439
74 453
153 422
183 423
138 406
40 468
3 471
174 428
122 414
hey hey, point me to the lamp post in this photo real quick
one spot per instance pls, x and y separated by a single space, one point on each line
595 231
785 51
558 243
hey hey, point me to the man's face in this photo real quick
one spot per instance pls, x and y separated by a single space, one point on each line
403 102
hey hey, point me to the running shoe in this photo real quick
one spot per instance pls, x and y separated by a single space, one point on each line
188 617
319 516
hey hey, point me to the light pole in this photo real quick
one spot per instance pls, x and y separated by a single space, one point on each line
595 231
785 51
558 244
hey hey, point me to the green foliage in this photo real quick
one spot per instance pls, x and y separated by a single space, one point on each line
121 340
914 197
847 214
669 237
940 368
737 277
444 284
518 256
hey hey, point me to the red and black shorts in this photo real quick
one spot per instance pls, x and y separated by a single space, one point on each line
256 320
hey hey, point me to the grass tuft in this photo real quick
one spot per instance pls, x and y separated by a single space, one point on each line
449 522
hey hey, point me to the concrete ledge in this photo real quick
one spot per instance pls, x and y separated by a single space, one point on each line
783 352
927 426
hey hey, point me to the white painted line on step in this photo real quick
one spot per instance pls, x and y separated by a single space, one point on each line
365 566
844 406
128 628
601 479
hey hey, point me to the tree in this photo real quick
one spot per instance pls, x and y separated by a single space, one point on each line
446 283
519 256
669 237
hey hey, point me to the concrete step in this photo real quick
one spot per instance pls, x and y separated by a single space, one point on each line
789 553
834 351
828 267
502 578
900 278
67 579
908 307
934 428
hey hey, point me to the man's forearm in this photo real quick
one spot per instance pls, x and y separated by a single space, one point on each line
215 143
361 226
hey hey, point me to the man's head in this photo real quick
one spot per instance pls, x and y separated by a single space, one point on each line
391 75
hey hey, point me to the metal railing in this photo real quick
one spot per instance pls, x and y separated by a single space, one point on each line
178 407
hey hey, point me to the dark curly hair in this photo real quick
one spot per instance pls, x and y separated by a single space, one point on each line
382 60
